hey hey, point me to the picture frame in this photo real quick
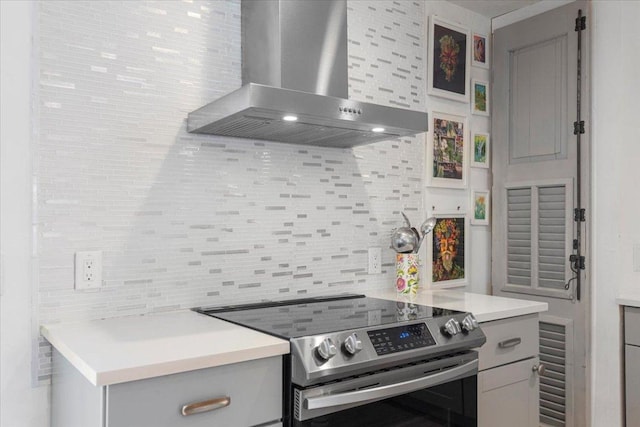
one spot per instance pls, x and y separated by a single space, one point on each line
449 64
448 250
480 97
480 207
447 163
480 150
480 50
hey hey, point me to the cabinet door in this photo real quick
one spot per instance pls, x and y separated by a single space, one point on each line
632 368
246 394
508 395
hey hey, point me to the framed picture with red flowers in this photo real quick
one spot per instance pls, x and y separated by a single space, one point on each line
449 63
480 56
448 251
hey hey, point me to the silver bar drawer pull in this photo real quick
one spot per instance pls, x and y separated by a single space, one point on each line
206 406
509 343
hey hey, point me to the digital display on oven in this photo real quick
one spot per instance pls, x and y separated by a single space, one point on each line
402 338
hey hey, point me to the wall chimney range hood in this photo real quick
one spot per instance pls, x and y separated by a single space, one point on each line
295 83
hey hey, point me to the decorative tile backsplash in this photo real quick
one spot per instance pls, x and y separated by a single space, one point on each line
186 220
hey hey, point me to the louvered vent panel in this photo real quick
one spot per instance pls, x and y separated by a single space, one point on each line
553 393
551 237
519 236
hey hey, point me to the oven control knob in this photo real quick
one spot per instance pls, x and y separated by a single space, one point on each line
469 323
352 344
327 349
452 327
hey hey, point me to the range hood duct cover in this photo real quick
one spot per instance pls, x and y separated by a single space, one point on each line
294 55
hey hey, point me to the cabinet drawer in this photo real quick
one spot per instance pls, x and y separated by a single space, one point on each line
509 340
253 390
632 325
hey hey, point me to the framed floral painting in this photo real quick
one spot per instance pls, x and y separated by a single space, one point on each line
448 74
480 55
448 251
480 148
480 97
447 162
481 204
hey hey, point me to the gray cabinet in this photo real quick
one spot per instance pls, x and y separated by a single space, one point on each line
632 365
508 380
242 394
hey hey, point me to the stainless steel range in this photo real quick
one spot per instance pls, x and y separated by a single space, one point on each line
359 361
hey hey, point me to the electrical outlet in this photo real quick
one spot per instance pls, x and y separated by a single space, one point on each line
88 270
374 260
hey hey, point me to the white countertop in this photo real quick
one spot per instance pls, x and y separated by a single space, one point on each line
131 348
122 349
630 298
484 307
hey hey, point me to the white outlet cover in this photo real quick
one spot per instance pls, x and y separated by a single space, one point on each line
85 278
375 255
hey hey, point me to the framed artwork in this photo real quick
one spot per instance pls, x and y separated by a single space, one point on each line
448 70
480 155
447 162
480 55
481 204
448 251
480 97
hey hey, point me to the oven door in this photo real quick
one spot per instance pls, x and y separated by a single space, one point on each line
436 393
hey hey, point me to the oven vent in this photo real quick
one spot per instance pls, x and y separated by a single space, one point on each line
297 414
553 390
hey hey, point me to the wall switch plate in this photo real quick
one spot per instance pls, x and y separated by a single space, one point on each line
374 260
636 257
88 270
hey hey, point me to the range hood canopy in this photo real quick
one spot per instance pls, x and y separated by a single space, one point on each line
295 83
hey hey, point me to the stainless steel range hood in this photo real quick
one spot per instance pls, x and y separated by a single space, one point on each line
295 84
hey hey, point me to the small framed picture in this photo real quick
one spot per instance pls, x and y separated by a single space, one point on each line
480 97
480 155
447 162
480 56
448 251
481 205
448 70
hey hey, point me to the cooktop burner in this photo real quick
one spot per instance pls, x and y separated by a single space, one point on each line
321 315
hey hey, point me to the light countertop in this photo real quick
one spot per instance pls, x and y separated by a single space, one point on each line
122 349
131 348
484 307
630 298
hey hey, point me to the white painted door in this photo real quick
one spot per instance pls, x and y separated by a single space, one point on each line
534 194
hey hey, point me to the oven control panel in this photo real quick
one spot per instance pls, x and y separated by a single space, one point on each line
401 338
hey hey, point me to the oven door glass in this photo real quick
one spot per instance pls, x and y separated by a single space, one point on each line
453 404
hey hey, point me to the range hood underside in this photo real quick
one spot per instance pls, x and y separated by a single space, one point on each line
256 111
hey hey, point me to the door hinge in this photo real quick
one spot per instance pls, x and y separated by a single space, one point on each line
578 127
581 23
579 215
577 261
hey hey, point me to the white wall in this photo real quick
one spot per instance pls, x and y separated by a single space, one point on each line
616 202
20 404
74 209
446 200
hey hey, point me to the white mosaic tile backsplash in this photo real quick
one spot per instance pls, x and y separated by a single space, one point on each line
186 220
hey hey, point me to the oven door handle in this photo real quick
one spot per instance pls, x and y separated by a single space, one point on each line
390 390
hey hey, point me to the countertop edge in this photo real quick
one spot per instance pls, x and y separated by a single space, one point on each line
152 370
628 300
192 364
